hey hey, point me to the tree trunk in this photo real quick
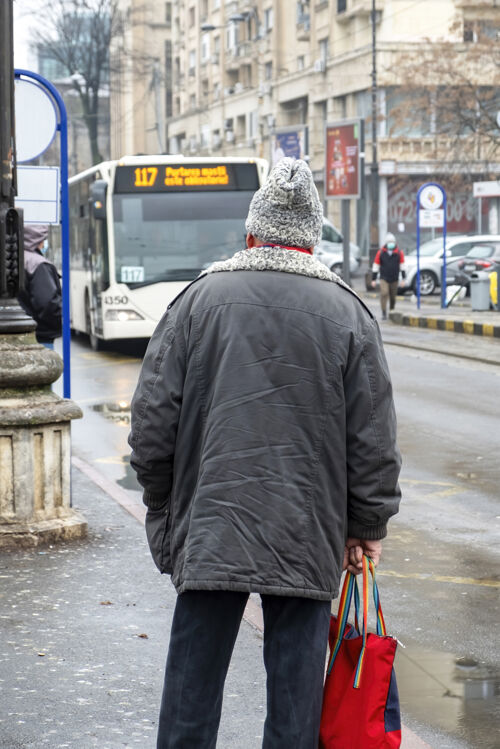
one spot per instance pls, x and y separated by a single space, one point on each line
90 109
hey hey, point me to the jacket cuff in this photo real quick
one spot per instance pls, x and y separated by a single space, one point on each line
154 501
366 532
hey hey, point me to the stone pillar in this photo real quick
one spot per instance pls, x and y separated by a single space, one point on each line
35 447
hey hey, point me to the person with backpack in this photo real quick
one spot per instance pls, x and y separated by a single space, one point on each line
389 263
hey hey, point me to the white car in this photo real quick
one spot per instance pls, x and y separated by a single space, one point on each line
431 260
330 250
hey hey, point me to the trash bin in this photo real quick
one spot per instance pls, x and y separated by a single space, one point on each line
480 291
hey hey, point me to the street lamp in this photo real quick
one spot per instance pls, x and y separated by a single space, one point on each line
12 317
35 503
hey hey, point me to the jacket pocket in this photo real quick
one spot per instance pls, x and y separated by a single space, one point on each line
157 525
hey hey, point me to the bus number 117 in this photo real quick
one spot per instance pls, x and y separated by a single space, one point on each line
145 176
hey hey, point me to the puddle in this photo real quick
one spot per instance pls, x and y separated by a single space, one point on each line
118 413
129 481
460 696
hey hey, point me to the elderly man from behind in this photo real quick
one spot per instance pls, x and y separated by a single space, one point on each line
263 433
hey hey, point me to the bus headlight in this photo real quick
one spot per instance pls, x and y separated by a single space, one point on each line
122 315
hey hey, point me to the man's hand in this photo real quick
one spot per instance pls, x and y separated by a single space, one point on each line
354 550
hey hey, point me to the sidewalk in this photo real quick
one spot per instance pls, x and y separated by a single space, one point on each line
86 628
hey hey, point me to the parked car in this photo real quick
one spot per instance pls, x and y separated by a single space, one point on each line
330 250
480 257
431 260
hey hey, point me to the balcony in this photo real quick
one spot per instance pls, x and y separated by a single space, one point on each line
356 8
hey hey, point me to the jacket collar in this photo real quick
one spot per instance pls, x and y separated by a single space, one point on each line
276 259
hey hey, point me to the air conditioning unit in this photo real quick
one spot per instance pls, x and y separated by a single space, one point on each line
229 136
264 89
238 87
228 91
320 66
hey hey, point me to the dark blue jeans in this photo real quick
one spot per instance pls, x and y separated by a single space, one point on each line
204 631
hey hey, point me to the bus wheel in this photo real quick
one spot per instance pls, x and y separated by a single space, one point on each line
95 342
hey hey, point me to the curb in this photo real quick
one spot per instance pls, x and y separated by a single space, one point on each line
469 327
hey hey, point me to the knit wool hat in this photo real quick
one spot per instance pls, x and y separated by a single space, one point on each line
287 209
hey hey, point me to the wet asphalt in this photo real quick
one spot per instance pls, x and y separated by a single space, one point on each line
439 579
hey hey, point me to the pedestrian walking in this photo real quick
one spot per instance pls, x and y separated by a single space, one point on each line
389 262
41 297
263 433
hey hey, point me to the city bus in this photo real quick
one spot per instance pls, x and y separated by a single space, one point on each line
142 227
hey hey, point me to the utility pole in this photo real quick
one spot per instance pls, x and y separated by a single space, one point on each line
35 493
374 176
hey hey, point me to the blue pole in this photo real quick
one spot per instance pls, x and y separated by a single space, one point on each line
443 280
418 246
443 274
63 130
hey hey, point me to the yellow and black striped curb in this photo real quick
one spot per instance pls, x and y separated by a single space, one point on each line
470 327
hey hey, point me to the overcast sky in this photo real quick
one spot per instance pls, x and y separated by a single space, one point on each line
24 21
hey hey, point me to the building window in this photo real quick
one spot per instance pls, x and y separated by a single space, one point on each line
301 62
204 10
192 16
192 62
205 47
268 71
252 124
268 19
341 6
192 101
205 136
232 36
168 15
323 49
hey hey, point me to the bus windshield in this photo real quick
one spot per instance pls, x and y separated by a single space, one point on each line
174 236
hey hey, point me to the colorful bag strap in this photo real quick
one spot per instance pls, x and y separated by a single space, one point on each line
342 614
350 584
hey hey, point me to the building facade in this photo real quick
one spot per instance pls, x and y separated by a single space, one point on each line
248 78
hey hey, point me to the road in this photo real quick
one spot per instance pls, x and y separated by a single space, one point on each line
439 580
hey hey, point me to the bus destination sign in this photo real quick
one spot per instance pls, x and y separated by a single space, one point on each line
186 177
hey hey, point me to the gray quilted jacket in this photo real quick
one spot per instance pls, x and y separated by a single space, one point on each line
263 428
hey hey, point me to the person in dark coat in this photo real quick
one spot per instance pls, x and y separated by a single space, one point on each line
41 297
389 262
264 435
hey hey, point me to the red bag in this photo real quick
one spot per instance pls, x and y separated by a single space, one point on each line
360 700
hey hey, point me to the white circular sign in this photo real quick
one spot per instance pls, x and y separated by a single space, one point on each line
431 198
36 120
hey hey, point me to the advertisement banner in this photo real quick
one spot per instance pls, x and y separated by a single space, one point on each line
343 159
289 141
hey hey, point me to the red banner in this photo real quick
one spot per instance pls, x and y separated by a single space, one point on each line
343 174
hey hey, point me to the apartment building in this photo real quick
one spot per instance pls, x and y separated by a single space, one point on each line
141 79
248 77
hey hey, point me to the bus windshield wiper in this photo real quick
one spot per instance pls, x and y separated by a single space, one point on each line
176 274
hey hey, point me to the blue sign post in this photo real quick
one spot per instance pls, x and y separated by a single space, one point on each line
431 213
62 127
